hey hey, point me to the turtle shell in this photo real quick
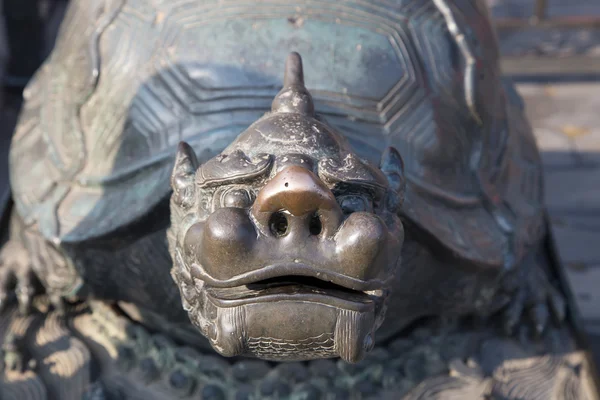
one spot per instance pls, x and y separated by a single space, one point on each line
128 80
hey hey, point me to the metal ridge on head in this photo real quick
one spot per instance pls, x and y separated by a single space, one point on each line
294 97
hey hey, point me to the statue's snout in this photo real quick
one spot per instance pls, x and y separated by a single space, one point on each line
296 203
295 221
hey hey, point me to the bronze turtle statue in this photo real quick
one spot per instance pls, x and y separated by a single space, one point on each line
405 185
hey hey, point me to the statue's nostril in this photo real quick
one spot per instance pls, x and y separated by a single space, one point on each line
278 224
315 226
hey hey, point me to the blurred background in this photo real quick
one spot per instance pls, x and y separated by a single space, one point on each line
551 48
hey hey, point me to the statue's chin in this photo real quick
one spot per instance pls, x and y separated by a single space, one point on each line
293 322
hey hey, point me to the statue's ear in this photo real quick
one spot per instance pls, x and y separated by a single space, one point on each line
392 167
182 177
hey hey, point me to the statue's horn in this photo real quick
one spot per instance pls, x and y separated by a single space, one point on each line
294 97
294 73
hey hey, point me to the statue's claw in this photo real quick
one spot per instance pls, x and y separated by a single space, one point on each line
513 312
535 300
538 317
58 303
16 275
25 291
558 306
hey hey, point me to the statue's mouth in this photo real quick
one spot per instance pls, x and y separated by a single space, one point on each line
299 288
284 311
294 282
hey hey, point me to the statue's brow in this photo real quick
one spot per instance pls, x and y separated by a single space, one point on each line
369 187
224 179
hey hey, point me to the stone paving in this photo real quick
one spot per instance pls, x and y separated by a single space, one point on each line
556 8
547 50
550 42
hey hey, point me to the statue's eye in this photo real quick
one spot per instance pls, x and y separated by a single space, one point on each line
355 203
236 198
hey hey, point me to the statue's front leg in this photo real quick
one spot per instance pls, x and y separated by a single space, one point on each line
528 294
30 264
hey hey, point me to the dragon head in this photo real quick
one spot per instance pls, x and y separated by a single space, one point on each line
285 244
